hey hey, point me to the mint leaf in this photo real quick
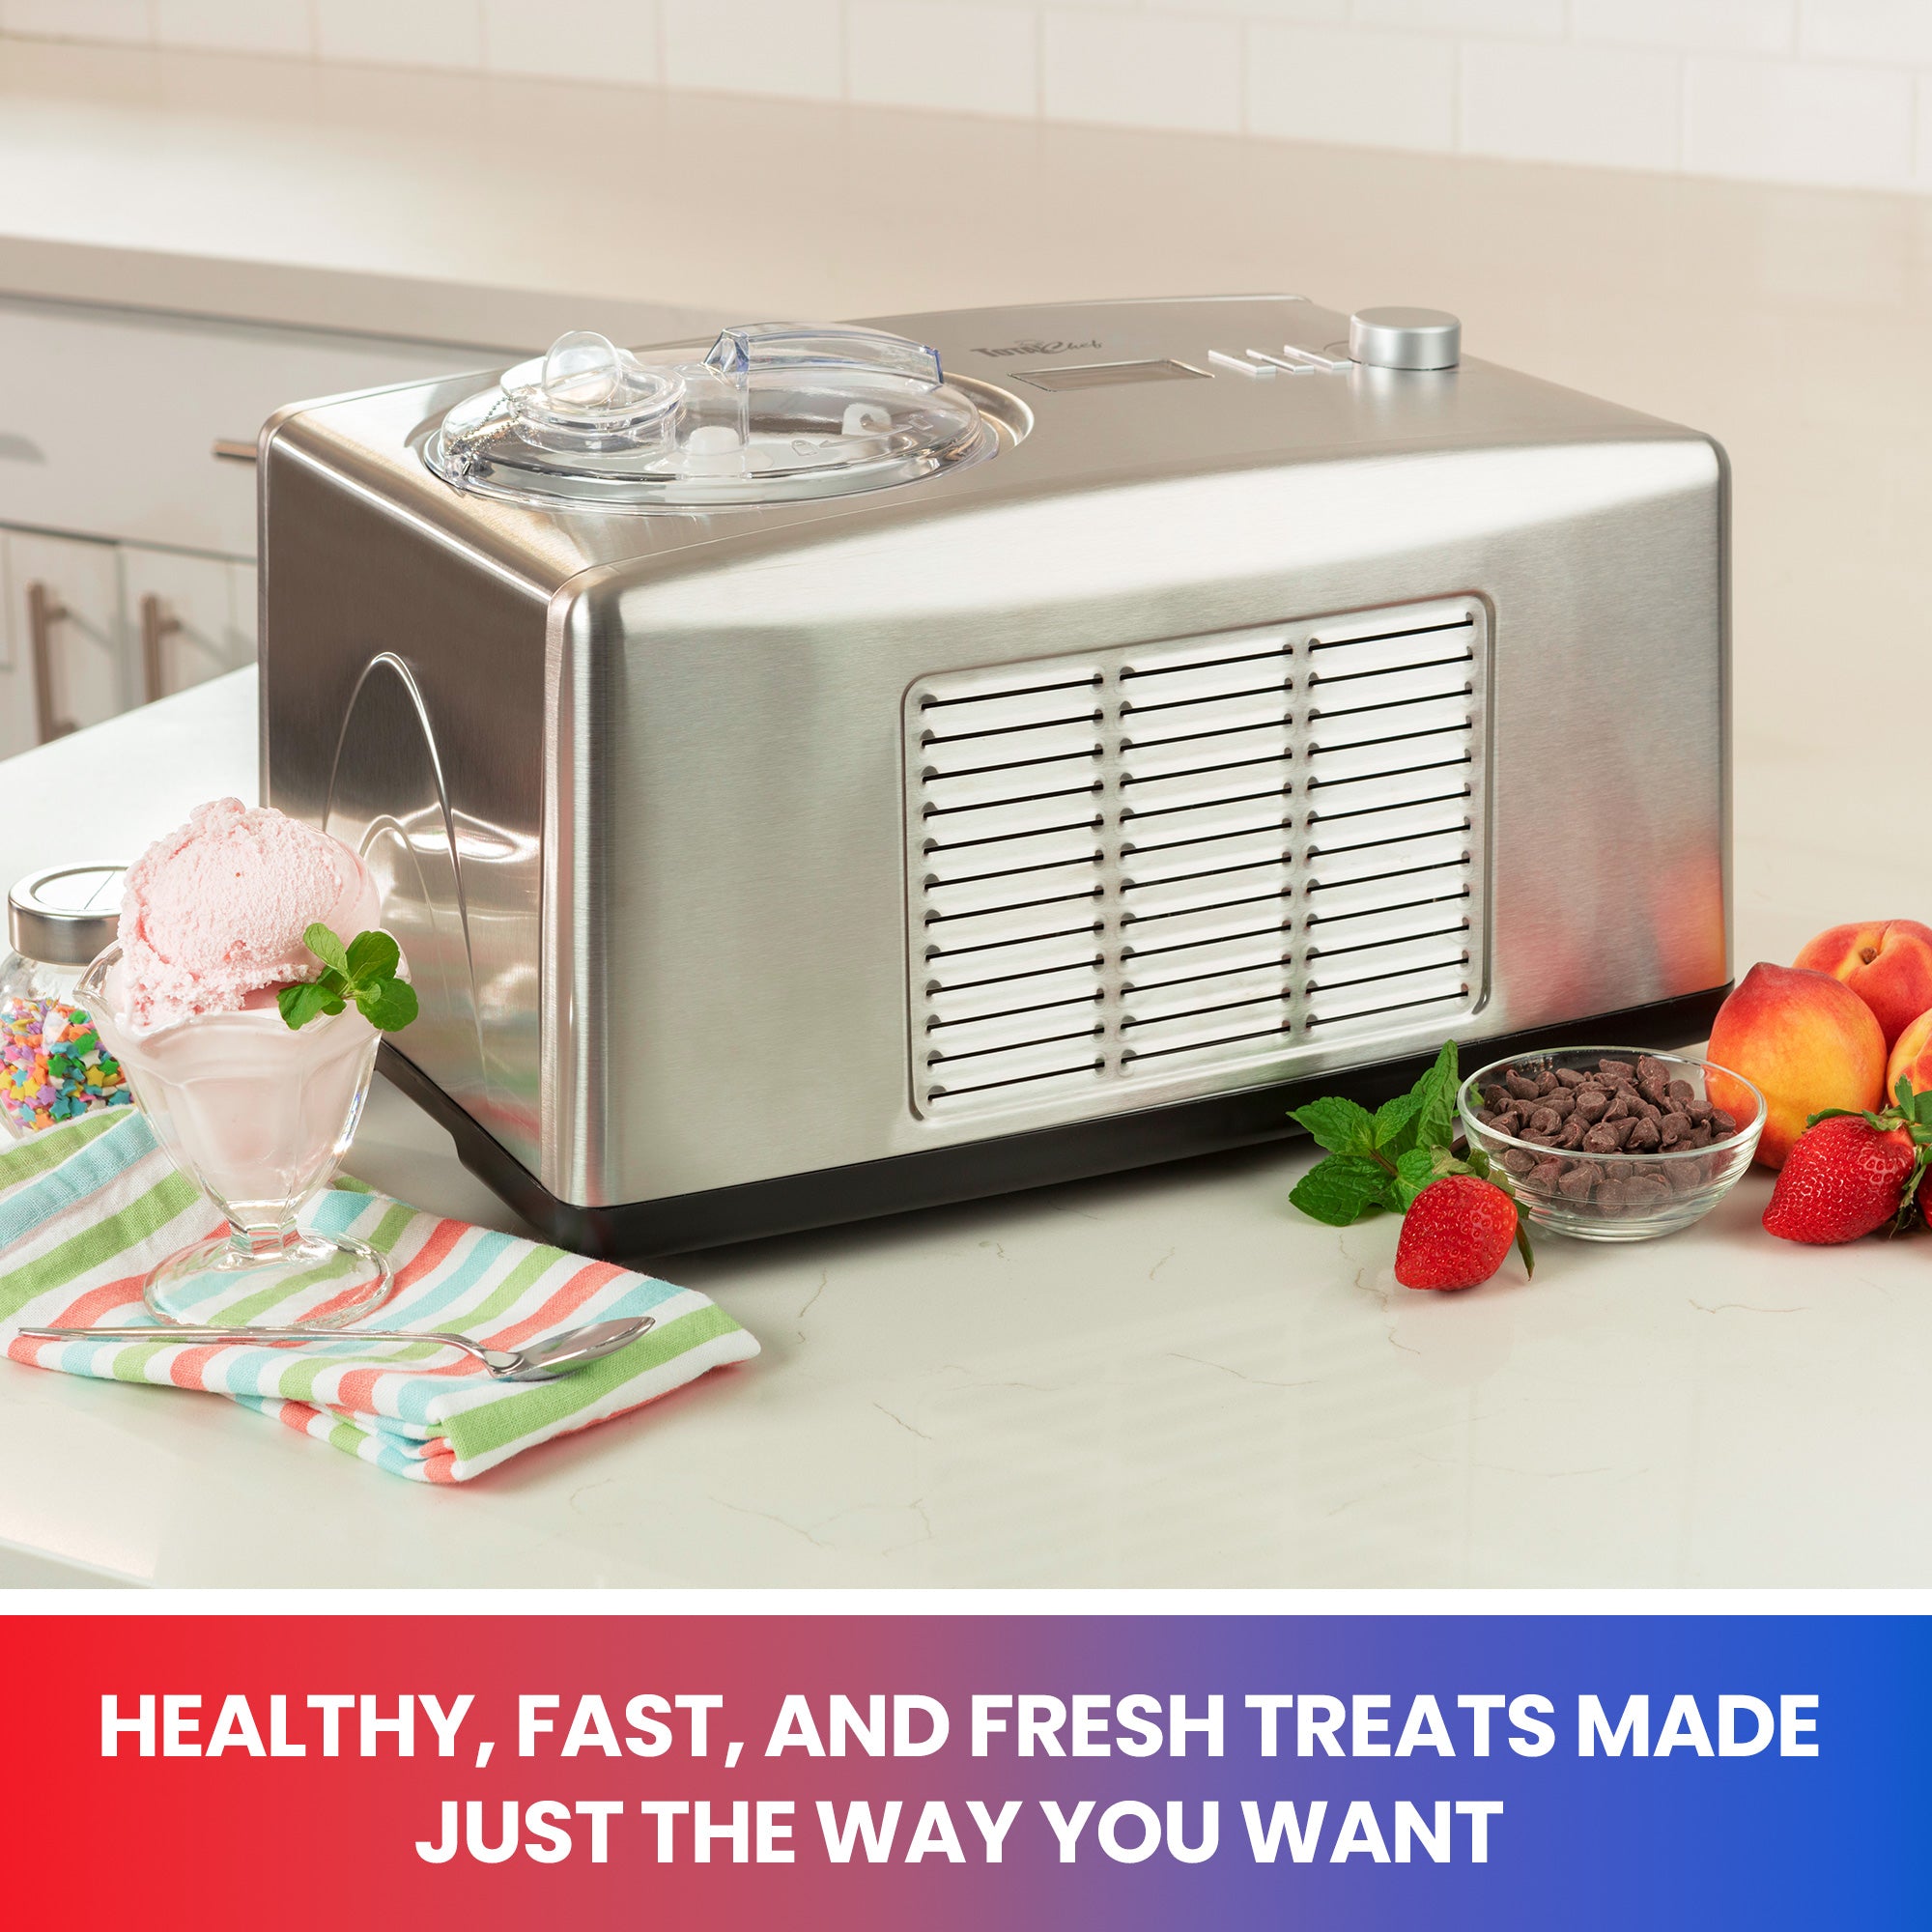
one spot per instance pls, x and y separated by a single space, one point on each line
326 946
1395 1125
388 1006
1341 1189
301 1003
1416 1170
1340 1126
1436 1101
373 955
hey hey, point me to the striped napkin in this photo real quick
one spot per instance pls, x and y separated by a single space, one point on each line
87 1208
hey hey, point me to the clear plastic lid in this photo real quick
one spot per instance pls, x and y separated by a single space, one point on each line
774 413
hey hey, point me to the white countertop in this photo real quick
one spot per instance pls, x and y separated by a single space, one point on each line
1168 1376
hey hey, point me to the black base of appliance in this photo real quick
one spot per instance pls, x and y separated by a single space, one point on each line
1003 1165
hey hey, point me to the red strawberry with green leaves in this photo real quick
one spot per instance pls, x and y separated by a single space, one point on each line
1457 1231
1848 1174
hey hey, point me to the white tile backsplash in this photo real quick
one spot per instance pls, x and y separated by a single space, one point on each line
401 33
1133 71
117 20
613 41
1362 89
948 54
1789 121
1868 30
1837 92
1739 26
1607 106
792 47
1543 18
236 27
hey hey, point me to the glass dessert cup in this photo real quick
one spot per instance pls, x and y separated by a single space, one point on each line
1616 1196
259 1116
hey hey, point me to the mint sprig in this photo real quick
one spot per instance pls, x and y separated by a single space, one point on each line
1380 1162
1362 1173
362 972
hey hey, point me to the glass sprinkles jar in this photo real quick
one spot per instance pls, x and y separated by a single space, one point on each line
53 1066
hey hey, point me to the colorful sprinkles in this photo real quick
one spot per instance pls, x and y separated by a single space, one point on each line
53 1065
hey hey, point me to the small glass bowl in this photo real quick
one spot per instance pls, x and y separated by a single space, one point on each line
1614 1196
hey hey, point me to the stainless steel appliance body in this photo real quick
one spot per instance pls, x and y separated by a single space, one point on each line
1249 721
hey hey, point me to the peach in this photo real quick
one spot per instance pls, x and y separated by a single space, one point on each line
1911 1057
1887 963
1806 1040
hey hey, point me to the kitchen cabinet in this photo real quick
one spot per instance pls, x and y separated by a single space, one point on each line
188 618
65 637
111 426
91 628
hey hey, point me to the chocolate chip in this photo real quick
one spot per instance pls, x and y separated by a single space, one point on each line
1645 1192
1682 1091
1602 1138
1520 1088
1723 1124
1700 1134
1577 1182
1685 1176
1562 1103
1649 1068
1574 1130
1697 1109
1568 1076
1544 1120
1644 1137
1672 1128
1541 1179
1496 1097
1620 1170
1616 1071
1611 1195
1592 1102
1547 1082
1518 1160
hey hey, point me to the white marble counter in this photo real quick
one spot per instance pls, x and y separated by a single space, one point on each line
1166 1377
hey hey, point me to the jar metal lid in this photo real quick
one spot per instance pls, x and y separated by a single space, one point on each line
67 914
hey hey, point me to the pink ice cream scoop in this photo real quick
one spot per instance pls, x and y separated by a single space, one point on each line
215 912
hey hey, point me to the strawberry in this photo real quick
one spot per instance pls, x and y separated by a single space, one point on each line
1457 1232
1848 1174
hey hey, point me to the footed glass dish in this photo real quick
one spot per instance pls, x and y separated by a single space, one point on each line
258 1115
1596 1192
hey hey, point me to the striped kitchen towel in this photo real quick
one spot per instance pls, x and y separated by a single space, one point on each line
86 1209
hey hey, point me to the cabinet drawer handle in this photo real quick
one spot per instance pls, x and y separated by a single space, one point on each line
232 450
44 611
158 626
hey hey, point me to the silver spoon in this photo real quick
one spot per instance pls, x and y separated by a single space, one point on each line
542 1361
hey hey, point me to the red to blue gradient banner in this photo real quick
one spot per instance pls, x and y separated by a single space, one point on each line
955 1770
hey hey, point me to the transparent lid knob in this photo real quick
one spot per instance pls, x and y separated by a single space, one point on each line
589 394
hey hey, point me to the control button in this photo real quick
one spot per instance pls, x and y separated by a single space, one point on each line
1290 361
1405 338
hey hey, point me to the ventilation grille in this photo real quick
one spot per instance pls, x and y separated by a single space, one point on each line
1193 865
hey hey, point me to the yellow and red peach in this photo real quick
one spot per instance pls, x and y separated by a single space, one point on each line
1806 1040
1887 962
1911 1057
